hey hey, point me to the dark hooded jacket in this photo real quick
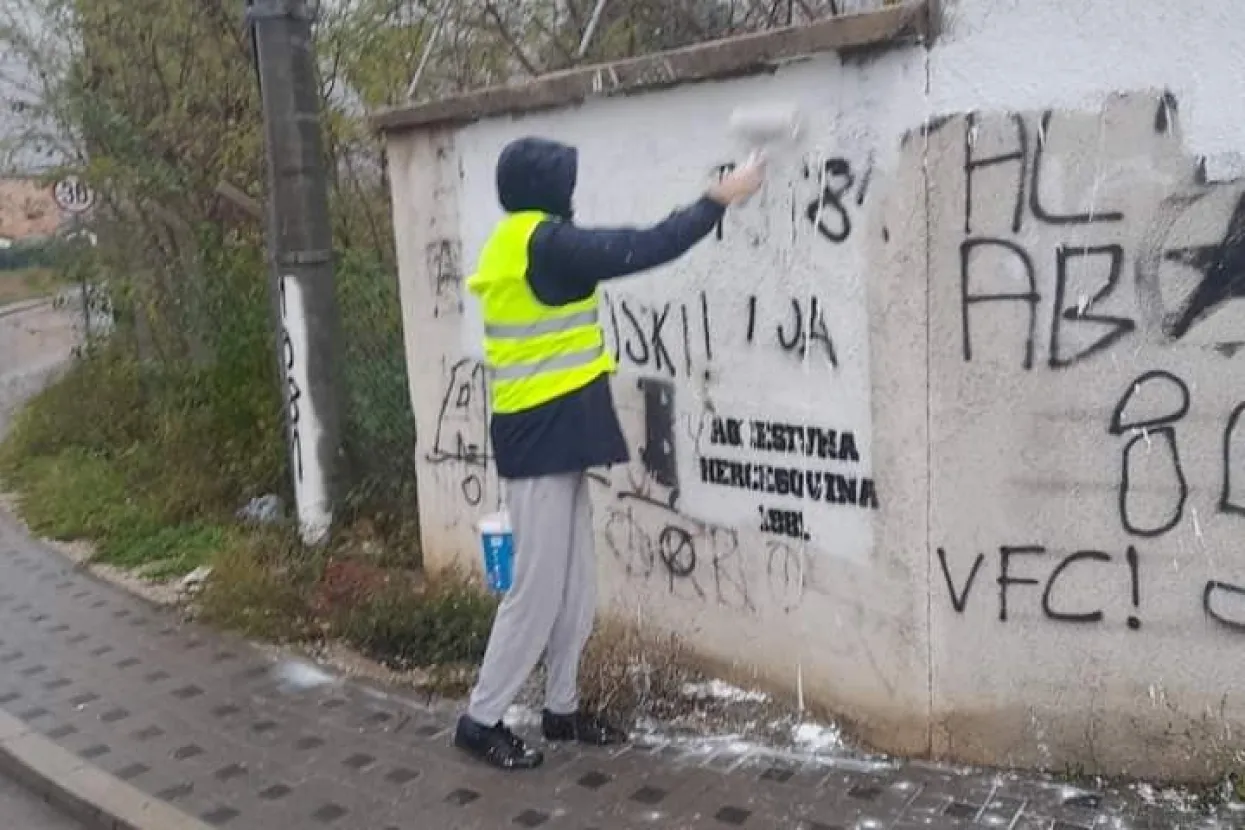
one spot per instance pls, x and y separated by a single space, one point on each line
565 263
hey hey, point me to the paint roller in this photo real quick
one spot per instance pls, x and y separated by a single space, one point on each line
764 126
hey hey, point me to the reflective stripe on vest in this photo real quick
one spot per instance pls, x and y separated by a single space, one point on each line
534 353
531 370
518 332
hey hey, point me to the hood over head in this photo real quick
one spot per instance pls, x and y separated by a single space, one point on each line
537 174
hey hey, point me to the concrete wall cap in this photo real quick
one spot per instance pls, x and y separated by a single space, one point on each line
719 59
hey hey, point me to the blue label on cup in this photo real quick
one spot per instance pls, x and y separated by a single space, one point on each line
498 560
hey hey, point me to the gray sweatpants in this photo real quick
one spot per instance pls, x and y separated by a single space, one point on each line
550 606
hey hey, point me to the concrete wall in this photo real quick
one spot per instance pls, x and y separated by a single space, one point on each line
984 313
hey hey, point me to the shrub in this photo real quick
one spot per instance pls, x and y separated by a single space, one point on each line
446 621
630 671
260 587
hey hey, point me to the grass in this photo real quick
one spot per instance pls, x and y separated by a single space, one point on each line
147 468
100 457
74 495
27 284
436 623
441 621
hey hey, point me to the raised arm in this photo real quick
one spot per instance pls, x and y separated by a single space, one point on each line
567 261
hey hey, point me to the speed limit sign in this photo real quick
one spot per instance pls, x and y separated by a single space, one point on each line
73 195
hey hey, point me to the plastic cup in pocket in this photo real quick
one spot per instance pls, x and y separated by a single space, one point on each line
497 542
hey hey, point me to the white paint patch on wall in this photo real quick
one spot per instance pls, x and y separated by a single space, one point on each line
1073 54
305 428
763 327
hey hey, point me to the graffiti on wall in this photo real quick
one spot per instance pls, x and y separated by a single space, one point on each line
682 338
1091 273
674 350
669 339
1058 268
1088 303
841 191
725 506
461 440
443 259
1219 266
304 427
771 466
653 541
828 196
1047 581
1148 412
679 339
694 561
1043 571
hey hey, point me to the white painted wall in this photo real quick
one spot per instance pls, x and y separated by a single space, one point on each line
1064 54
967 456
738 295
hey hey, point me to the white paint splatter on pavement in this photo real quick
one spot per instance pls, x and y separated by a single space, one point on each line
722 691
298 675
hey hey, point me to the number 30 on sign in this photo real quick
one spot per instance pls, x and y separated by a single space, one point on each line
73 195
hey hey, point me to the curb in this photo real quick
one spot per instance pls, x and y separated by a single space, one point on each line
25 305
81 790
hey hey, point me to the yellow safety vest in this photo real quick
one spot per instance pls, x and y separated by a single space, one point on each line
534 352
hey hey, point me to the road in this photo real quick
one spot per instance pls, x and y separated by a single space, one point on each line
22 810
34 340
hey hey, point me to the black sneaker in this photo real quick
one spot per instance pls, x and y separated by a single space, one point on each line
495 745
586 729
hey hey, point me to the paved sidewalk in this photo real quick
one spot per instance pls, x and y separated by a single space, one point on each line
203 721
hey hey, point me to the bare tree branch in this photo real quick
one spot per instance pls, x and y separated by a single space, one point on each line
516 49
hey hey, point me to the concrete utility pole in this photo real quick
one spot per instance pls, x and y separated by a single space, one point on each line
300 243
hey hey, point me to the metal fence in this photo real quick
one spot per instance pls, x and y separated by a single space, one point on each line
378 426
